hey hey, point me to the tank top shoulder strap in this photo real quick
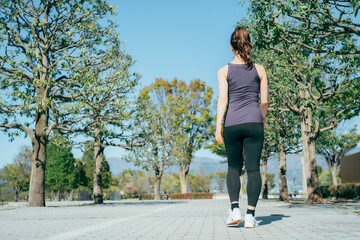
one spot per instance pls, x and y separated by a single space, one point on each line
228 72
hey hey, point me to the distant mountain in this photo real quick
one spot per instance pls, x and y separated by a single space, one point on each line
211 164
117 165
354 150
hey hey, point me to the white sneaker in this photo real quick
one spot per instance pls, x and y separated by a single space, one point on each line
234 217
250 221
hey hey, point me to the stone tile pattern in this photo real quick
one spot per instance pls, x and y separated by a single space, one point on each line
167 219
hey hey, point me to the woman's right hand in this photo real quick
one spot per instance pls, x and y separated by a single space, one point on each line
218 137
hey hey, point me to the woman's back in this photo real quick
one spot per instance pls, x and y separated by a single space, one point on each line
243 95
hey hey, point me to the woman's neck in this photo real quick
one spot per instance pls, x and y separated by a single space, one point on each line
238 60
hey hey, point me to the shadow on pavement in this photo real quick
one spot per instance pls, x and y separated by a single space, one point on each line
122 203
264 220
146 203
342 205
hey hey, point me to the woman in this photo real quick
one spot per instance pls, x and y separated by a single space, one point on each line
240 84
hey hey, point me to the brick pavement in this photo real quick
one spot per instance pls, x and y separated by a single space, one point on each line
195 219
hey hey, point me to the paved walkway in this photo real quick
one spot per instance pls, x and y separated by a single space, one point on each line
195 219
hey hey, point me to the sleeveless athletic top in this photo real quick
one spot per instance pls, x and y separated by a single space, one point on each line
243 95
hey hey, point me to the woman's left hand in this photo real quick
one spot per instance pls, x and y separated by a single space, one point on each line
218 137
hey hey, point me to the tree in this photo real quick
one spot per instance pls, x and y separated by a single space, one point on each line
333 147
283 134
321 21
102 110
267 152
220 177
271 182
171 183
319 88
126 176
141 182
88 160
191 104
200 181
156 133
17 174
195 119
81 179
42 42
60 173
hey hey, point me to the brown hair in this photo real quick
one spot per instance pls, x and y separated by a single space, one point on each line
240 41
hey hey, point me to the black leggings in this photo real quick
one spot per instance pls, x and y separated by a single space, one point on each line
247 137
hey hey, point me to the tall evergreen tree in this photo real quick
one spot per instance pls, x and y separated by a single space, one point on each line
60 175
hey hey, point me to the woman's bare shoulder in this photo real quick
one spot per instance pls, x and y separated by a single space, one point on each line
223 70
260 68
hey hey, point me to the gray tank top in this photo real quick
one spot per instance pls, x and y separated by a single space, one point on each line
243 95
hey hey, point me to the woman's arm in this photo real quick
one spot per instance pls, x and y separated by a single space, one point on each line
222 102
264 92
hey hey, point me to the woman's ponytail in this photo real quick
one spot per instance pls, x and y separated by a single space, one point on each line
241 43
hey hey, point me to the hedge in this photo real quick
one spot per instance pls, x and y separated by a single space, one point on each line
201 195
176 196
345 191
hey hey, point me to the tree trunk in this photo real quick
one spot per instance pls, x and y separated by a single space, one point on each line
312 179
97 189
184 170
71 195
264 187
16 195
38 159
303 175
334 169
283 190
157 187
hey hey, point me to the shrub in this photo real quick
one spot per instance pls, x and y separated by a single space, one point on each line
150 196
345 191
325 191
191 195
177 196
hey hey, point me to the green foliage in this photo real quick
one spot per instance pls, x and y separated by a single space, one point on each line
60 173
17 174
42 43
80 174
126 176
220 178
320 27
62 67
334 146
312 62
343 191
88 160
325 178
215 147
304 78
156 130
200 182
190 112
270 181
139 179
170 183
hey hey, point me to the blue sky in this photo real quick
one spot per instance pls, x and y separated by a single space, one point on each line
184 39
